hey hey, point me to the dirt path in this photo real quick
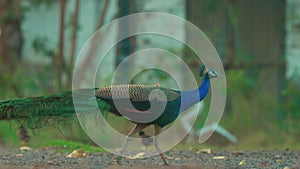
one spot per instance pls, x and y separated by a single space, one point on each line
187 159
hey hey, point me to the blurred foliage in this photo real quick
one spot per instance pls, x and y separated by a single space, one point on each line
211 6
26 80
250 114
41 47
238 83
12 16
155 76
292 94
291 109
26 5
238 93
32 4
8 134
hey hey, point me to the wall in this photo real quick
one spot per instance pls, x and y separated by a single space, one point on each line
292 39
44 22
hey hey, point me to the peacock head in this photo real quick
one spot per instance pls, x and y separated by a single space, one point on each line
210 72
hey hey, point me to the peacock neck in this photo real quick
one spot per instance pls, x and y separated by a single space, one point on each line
191 97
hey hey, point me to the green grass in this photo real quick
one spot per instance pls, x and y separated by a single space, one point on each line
72 138
69 146
8 134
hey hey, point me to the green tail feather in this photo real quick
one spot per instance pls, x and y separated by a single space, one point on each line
37 112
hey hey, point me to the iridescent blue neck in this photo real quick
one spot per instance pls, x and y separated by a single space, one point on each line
191 97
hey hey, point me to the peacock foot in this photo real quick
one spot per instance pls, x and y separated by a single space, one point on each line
166 163
119 160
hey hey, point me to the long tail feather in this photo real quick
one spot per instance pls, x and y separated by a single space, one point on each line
37 110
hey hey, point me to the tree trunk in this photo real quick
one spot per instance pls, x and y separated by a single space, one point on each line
126 46
74 25
60 53
11 38
95 42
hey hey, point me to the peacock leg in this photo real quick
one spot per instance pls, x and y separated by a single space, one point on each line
156 144
135 130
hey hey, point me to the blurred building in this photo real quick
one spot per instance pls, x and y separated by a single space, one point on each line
265 33
292 40
42 24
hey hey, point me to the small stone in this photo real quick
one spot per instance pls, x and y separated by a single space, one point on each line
50 162
262 164
237 152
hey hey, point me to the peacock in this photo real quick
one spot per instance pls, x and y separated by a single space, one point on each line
23 136
146 139
60 106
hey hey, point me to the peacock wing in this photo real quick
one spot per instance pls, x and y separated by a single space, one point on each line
139 96
136 93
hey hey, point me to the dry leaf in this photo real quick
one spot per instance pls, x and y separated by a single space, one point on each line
77 154
207 150
25 148
137 156
243 162
219 157
19 155
177 159
169 157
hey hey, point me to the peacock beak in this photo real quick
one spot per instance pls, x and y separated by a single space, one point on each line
212 73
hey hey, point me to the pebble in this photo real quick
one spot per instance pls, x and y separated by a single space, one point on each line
249 159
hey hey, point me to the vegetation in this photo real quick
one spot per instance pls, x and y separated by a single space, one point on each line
252 116
258 115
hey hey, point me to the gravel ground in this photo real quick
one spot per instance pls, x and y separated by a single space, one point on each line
186 159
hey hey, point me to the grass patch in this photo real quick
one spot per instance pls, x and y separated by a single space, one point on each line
69 146
8 134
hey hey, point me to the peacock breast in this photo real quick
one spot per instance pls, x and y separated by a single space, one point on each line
170 113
